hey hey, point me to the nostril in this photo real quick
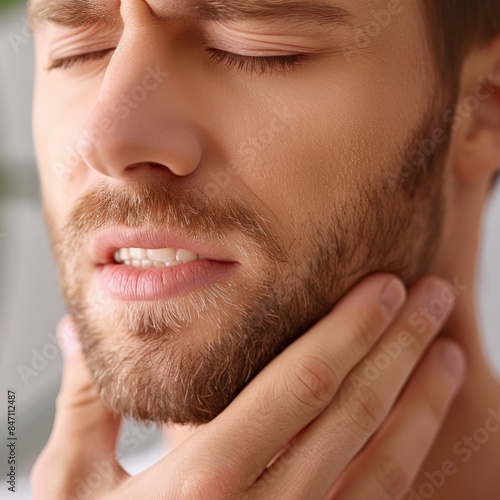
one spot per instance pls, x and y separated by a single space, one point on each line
156 165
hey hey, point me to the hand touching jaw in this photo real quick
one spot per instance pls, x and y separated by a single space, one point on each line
198 331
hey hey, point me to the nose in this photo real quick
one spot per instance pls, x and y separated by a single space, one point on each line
137 119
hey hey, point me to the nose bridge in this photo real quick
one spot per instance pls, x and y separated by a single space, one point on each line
127 91
139 67
135 118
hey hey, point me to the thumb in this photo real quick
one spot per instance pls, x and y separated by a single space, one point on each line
81 417
84 434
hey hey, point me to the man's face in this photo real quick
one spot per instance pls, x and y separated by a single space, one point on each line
286 174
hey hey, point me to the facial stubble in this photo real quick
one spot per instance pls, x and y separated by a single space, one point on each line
184 362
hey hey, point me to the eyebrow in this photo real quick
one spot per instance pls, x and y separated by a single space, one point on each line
80 13
70 13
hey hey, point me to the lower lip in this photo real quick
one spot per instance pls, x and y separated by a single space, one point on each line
129 283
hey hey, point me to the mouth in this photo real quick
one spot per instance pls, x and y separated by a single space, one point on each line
147 264
154 248
142 258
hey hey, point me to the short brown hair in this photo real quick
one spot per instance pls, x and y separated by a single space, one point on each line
456 26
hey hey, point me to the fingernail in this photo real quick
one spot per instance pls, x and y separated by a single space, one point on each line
392 296
68 339
451 358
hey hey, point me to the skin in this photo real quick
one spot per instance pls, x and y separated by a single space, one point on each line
262 308
333 193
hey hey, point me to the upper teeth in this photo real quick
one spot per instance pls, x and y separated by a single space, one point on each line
158 257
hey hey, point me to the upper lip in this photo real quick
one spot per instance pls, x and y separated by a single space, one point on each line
106 241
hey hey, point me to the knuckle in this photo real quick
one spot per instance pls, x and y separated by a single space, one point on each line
85 395
363 407
312 383
391 477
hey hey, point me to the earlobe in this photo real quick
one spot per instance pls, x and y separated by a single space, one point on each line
477 139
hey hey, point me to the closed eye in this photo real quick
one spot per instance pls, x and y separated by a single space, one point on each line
255 64
68 62
251 64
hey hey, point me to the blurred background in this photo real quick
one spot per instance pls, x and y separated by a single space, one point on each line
30 303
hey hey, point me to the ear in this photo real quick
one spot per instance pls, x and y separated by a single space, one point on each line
476 128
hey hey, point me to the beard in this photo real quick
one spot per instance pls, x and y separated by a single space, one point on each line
184 360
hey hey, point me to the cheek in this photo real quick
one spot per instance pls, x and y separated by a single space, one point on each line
336 139
57 120
351 123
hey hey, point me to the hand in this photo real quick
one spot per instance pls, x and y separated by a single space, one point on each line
348 411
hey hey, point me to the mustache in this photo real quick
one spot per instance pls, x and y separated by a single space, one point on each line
167 206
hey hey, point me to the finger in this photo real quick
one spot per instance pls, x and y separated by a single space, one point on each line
295 387
324 449
389 464
84 433
81 417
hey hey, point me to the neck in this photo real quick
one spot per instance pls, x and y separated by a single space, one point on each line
468 445
461 462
